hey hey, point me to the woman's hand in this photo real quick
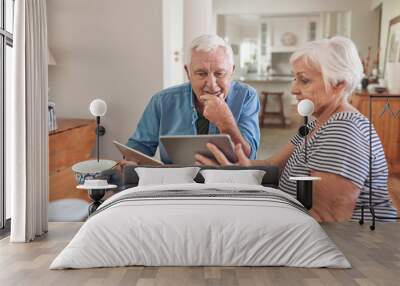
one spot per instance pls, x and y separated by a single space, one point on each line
124 163
220 158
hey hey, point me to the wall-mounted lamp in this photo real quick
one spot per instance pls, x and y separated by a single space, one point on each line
304 185
98 108
305 108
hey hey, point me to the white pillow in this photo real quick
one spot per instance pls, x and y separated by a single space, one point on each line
164 176
248 177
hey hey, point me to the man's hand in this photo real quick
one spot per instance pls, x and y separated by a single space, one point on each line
217 111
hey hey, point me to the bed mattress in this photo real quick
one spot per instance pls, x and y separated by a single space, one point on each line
201 225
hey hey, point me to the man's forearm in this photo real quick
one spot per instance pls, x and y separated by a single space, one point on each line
236 137
218 113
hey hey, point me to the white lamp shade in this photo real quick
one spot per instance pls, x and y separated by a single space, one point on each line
50 59
98 107
305 107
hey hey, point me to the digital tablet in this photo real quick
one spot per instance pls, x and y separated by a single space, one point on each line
136 156
182 148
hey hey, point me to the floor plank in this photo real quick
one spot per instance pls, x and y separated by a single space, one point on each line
374 255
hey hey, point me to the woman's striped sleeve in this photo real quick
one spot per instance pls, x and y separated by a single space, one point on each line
342 149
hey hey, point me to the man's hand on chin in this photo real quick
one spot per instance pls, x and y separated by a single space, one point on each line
217 111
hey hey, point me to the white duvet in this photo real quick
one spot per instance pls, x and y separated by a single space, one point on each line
185 231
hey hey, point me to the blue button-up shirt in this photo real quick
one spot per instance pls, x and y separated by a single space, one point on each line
172 111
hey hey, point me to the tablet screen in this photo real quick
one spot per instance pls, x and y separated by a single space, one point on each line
181 149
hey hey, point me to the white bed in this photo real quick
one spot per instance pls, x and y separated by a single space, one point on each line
224 225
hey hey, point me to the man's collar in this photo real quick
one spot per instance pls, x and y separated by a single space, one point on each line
192 98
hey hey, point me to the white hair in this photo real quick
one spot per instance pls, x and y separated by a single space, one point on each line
208 43
337 59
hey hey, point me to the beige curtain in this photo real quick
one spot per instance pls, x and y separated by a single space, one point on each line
26 119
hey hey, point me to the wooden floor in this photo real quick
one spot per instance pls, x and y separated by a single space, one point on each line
374 255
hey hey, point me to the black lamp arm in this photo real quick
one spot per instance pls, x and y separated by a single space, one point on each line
304 193
102 130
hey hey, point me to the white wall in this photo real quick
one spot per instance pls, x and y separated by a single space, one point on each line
197 15
110 50
360 9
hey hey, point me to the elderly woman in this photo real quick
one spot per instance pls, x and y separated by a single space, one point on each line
327 72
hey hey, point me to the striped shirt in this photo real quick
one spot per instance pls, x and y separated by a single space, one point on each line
341 147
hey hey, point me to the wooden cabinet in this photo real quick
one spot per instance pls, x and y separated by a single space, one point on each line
387 124
72 142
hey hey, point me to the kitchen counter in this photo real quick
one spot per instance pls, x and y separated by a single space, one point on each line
272 84
265 79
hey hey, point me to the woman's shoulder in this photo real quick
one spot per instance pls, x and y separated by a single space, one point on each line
345 126
348 122
352 116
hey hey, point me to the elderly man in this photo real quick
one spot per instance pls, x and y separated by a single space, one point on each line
210 103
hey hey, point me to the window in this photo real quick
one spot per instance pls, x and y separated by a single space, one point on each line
248 56
6 44
263 39
312 31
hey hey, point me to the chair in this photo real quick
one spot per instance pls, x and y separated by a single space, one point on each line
263 112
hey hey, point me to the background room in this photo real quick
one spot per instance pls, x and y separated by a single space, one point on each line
69 66
138 47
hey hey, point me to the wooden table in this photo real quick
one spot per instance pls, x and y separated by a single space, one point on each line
72 142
